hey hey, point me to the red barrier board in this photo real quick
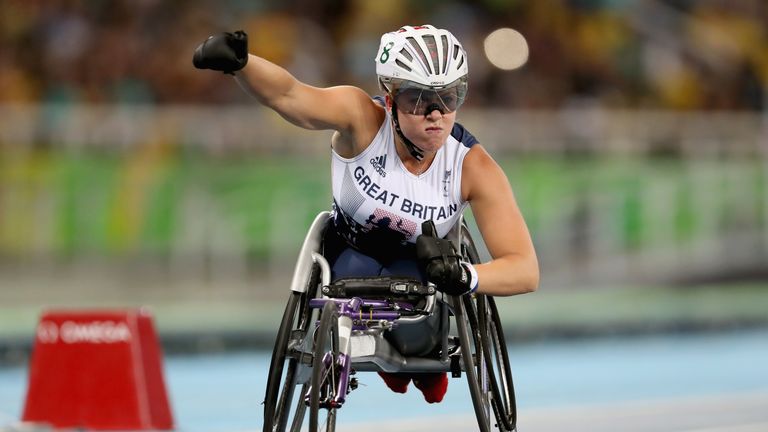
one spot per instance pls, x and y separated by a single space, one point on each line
97 370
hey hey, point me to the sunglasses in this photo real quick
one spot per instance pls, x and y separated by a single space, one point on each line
419 101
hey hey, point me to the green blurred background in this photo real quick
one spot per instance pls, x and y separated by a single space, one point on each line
635 137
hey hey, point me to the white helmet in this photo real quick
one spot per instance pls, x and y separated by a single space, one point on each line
423 55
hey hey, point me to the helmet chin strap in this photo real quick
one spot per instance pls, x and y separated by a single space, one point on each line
416 152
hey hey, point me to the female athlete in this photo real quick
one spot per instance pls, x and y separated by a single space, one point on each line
398 162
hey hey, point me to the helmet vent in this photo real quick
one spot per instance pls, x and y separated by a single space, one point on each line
455 51
421 54
404 52
444 40
461 62
403 65
431 44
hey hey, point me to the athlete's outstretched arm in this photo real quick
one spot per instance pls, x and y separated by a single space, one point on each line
514 268
345 109
301 104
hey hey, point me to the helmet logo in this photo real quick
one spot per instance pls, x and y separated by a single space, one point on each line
385 52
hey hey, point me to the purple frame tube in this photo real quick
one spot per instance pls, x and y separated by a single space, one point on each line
352 308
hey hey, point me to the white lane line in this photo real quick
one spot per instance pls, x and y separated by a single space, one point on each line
750 427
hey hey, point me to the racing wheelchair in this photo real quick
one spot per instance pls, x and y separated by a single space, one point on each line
331 331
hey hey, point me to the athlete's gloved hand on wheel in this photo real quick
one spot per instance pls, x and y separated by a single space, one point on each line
442 263
225 52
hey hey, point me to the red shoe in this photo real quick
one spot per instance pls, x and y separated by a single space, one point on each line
398 383
432 385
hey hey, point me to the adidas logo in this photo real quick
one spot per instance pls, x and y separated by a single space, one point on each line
379 163
380 160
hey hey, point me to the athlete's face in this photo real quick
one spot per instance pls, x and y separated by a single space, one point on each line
427 131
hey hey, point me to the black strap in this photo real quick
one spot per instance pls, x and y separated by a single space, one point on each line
416 152
455 366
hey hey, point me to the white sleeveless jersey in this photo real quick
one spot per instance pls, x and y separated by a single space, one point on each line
375 191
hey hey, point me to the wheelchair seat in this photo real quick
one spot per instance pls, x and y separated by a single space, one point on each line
379 350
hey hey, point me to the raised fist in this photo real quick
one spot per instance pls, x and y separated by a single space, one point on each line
225 52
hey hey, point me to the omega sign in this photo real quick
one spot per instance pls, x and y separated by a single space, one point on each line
95 332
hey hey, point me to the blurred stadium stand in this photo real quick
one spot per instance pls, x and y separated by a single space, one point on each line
635 136
676 54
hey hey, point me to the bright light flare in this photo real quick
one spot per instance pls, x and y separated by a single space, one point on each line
506 49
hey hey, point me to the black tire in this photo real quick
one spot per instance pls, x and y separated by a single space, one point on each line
325 372
289 365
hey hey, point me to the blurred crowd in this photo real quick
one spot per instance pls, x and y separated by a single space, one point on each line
669 54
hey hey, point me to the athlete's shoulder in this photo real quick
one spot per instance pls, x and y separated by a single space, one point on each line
463 136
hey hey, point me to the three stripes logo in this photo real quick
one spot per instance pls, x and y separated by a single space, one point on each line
379 163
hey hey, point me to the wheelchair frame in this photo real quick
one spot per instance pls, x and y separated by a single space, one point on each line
322 342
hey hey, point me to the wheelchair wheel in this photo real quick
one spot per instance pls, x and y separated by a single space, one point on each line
325 372
471 356
498 374
284 408
495 388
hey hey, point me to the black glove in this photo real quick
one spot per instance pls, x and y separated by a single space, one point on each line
442 264
226 52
